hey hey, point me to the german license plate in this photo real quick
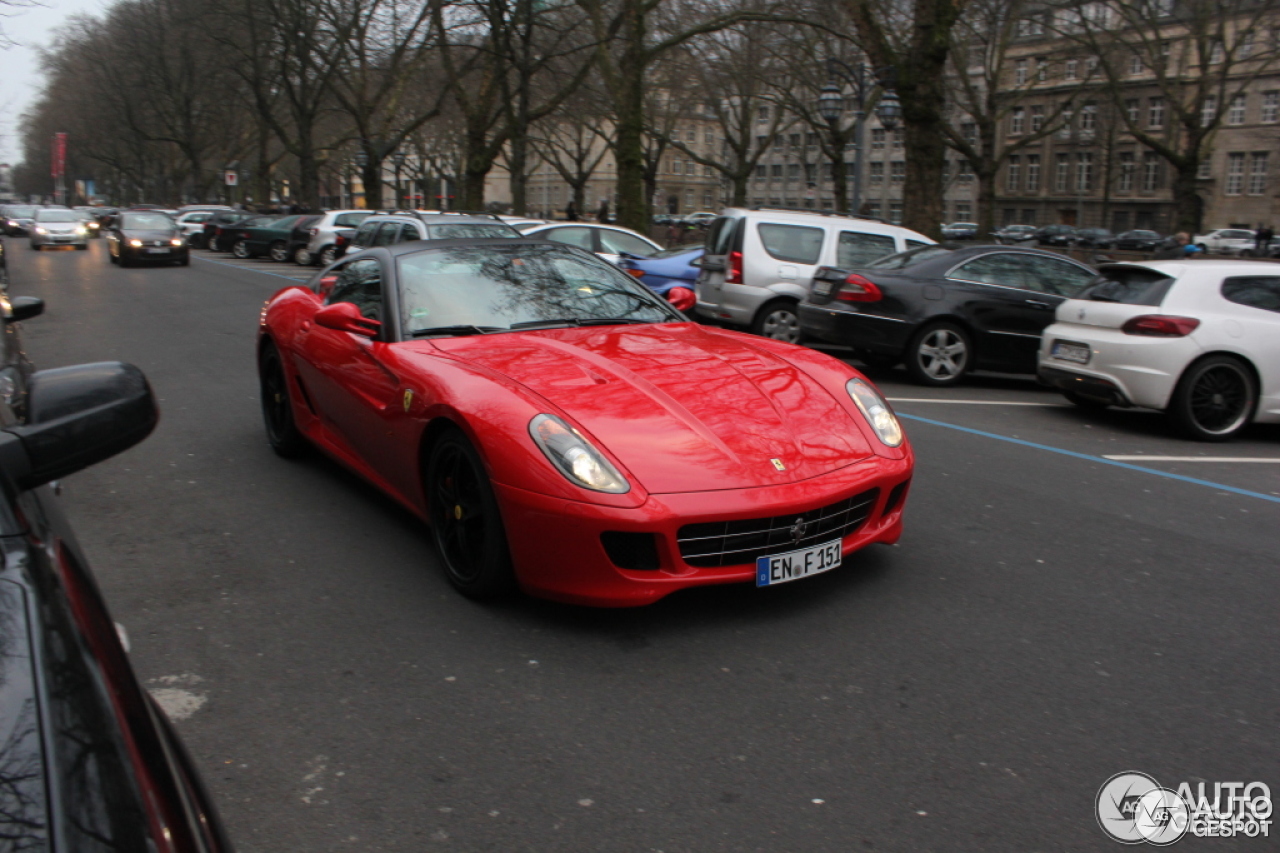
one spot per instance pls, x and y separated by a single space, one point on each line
793 565
822 287
163 250
1064 351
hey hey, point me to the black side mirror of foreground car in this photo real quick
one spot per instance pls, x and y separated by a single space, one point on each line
24 308
77 417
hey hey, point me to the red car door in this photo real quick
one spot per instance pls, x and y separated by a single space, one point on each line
349 382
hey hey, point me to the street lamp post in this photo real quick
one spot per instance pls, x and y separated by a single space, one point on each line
831 105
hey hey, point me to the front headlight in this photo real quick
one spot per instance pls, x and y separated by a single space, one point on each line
176 241
81 231
574 456
876 410
41 231
137 244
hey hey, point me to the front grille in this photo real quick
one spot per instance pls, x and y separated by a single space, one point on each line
732 543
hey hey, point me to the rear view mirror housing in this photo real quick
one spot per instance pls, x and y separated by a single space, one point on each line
346 317
77 416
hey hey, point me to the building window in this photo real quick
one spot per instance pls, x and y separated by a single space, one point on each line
1151 172
1020 69
1208 110
1258 173
691 136
1155 112
1013 177
1088 118
897 171
1017 119
1131 110
1033 173
1136 65
1071 71
969 130
1037 118
897 139
1042 69
1235 112
1244 49
709 137
1084 172
964 172
1235 173
1062 173
895 212
1216 53
1270 107
1204 170
795 140
810 140
762 171
776 170
877 172
793 171
1127 169
877 139
677 167
1030 27
964 211
762 114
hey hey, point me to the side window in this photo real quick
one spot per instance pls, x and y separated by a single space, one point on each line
1000 268
580 237
349 220
387 234
409 231
1061 278
1254 291
364 236
360 283
621 241
856 249
796 243
914 244
720 238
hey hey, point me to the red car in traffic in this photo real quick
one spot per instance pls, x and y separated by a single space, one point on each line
564 430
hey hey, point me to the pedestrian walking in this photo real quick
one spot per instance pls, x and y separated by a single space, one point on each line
571 211
602 215
1262 239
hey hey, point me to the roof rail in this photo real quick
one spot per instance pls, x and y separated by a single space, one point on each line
821 213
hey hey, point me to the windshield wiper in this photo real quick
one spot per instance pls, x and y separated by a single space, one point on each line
569 322
461 329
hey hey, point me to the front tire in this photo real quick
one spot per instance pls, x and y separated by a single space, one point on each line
302 257
940 355
1215 399
778 320
465 520
277 406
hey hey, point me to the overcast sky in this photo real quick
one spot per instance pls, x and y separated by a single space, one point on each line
31 28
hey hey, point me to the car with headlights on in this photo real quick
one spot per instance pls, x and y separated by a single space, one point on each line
16 219
565 431
1199 341
944 312
146 236
58 227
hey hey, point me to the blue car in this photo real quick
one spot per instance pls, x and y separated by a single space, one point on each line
672 269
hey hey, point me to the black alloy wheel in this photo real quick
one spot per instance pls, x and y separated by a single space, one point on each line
778 320
939 354
277 406
240 249
465 520
279 252
1215 399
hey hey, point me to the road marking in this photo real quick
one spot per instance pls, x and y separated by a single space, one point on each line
250 269
969 402
1100 459
1192 459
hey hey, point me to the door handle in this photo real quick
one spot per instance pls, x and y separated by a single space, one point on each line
1038 304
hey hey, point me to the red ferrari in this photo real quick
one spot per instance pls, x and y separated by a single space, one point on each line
565 431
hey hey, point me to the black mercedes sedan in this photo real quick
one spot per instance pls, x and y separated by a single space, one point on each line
1139 240
944 312
146 235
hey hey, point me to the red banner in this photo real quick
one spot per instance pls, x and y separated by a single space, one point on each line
59 158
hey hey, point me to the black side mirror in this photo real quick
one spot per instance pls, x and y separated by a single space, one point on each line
24 308
77 416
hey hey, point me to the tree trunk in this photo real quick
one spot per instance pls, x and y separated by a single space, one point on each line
518 163
924 138
986 177
1187 203
629 150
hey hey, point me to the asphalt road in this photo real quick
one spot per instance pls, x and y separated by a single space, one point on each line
1049 619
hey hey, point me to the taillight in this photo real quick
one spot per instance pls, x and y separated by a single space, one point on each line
1160 326
733 270
681 298
856 288
313 231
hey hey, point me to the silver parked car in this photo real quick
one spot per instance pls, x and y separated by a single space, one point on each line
59 227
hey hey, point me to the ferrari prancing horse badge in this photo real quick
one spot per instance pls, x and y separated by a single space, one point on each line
408 399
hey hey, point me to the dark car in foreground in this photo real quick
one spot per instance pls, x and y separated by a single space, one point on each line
143 235
944 312
90 761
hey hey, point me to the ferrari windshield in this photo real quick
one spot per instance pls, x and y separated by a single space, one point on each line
500 287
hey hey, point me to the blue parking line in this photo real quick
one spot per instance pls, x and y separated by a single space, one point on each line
252 269
1099 459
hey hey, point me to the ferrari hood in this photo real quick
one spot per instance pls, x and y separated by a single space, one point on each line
682 408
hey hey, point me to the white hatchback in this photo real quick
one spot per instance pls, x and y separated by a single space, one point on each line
1226 241
1199 340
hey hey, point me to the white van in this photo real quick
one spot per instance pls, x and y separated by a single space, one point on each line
759 262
